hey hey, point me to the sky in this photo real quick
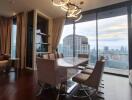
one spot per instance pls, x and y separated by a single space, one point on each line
112 32
13 36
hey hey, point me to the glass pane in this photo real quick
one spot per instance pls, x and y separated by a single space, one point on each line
85 39
66 42
13 41
113 41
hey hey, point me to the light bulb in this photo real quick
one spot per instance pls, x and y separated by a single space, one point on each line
60 2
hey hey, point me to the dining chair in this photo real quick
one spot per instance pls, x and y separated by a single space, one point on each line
91 80
83 55
90 70
84 65
49 73
60 55
52 56
56 55
46 56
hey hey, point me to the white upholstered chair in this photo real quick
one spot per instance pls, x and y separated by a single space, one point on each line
49 73
46 56
84 65
52 56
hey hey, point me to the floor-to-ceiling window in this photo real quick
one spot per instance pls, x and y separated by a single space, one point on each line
104 34
85 39
66 41
113 38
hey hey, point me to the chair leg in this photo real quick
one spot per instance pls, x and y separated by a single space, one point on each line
100 95
100 91
87 89
39 91
101 86
86 93
40 88
58 94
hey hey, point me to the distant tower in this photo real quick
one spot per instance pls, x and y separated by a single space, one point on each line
122 50
81 45
106 49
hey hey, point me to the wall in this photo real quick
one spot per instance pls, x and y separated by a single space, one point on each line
130 77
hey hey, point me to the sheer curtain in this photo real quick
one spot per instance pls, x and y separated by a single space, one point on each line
58 24
21 40
5 35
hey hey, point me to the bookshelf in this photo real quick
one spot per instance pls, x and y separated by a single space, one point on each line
38 35
41 36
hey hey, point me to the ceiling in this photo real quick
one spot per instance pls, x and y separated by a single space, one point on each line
10 7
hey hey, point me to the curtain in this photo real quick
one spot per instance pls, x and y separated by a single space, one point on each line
58 24
5 35
21 41
8 38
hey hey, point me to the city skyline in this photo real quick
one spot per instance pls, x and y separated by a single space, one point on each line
112 39
115 58
115 32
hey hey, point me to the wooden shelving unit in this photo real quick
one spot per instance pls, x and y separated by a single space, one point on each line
39 27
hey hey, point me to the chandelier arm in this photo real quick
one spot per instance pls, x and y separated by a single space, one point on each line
73 11
61 3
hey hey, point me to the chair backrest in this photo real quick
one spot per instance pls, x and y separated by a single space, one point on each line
45 56
102 58
46 70
52 56
83 55
56 55
60 55
4 57
96 76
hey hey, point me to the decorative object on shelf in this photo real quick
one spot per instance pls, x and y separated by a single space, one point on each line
73 11
41 44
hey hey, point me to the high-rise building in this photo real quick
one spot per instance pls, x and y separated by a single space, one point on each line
81 45
106 49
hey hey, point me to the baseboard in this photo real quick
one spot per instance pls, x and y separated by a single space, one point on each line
116 74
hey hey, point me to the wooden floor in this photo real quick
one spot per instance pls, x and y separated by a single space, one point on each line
22 86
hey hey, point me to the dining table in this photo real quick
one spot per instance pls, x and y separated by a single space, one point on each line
70 64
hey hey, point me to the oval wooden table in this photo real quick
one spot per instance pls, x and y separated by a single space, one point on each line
71 63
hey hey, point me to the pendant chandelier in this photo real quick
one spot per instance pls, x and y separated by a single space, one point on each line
60 2
72 10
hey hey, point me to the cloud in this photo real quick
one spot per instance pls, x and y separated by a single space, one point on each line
112 31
